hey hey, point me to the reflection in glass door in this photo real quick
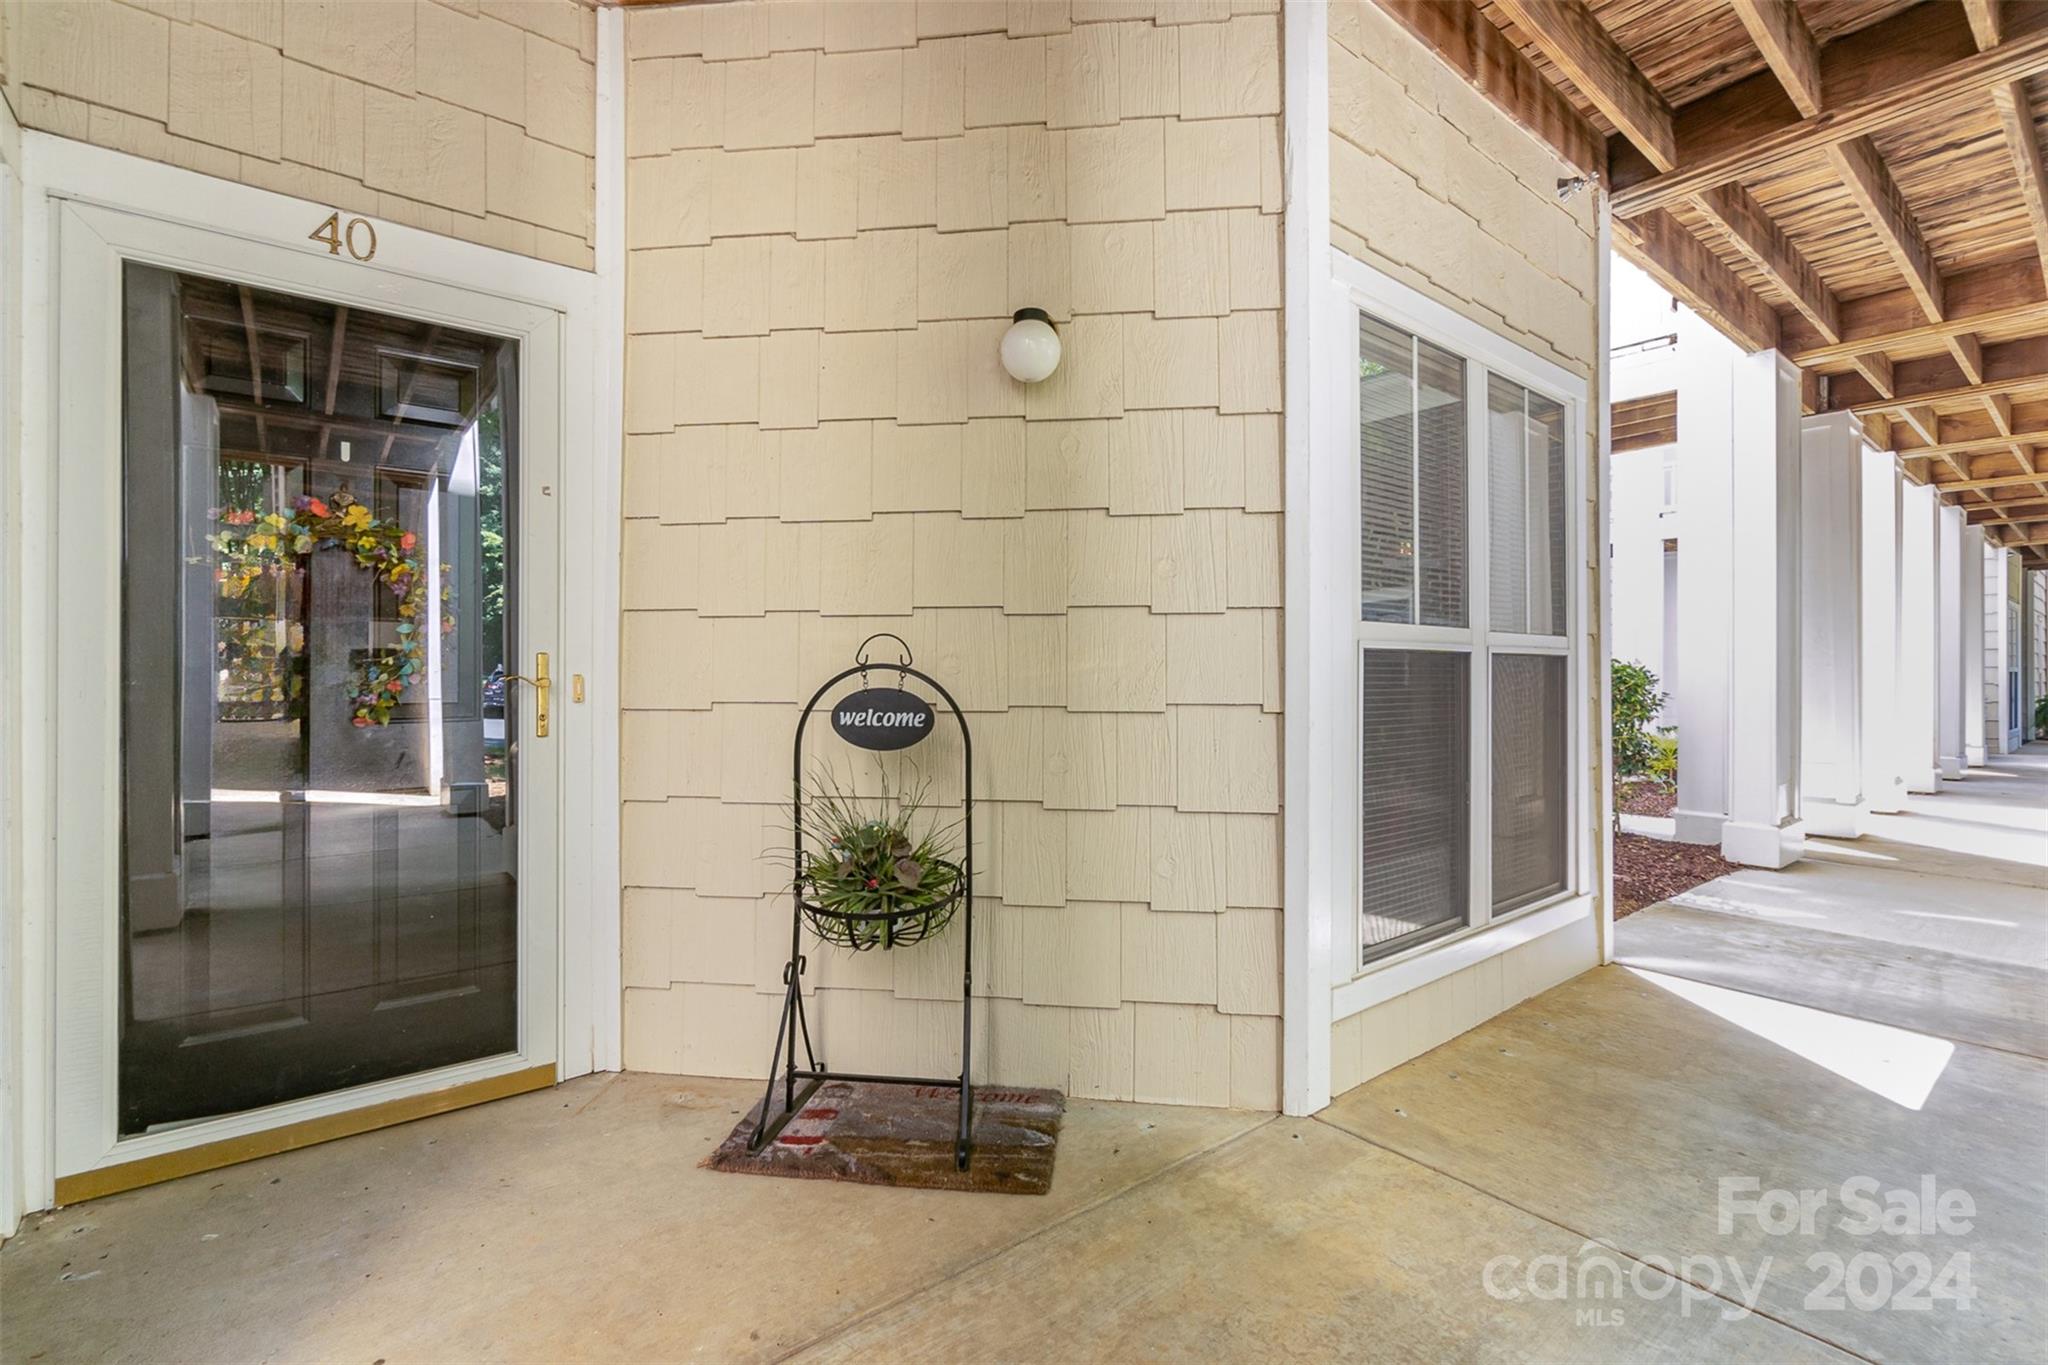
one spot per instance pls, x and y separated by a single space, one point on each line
319 753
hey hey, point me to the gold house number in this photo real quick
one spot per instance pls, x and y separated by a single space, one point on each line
336 236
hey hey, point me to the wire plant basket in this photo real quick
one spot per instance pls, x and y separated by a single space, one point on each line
896 926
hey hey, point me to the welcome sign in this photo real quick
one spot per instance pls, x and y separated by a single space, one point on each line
882 718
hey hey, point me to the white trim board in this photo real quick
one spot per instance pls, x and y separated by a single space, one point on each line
1308 752
1433 961
410 270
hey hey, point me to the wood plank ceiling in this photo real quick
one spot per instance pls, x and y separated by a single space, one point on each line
1858 183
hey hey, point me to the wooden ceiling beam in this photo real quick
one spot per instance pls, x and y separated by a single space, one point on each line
1983 298
1876 369
2016 115
1676 259
1906 69
1984 25
1870 184
1979 446
2010 367
2000 407
1768 249
1922 419
1465 40
2010 514
1969 356
1961 486
1574 39
1788 46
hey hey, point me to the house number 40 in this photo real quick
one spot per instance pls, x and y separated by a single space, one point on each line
362 246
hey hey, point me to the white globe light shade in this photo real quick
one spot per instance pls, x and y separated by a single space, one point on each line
1031 348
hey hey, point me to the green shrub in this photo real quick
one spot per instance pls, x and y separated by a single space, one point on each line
1636 704
1664 759
2041 717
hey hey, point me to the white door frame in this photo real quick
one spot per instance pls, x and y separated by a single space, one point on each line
412 272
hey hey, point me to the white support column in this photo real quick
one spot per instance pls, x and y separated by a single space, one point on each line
1881 604
1919 663
2001 653
1974 671
1949 611
1705 554
1832 797
1764 673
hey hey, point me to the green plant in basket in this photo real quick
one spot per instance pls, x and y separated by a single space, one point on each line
869 878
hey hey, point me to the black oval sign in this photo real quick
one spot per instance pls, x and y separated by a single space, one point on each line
882 718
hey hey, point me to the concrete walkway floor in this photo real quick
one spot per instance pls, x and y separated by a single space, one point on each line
1547 1187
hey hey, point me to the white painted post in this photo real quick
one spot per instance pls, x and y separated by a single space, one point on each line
1705 553
1973 679
1882 604
1636 626
1831 790
1763 828
1954 694
1321 730
1919 664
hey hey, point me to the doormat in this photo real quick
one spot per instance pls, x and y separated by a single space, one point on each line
903 1135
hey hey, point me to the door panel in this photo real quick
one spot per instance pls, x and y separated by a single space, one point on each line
307 841
321 884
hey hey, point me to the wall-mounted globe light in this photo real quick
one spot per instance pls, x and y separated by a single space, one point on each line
1031 348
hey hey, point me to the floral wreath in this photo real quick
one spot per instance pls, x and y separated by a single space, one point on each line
273 544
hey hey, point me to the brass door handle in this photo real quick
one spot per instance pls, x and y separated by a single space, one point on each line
540 684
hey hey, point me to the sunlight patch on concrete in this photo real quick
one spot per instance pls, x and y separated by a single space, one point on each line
1898 1064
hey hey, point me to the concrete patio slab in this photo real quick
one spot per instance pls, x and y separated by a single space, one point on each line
1966 999
1890 904
567 1224
1298 1242
1615 1105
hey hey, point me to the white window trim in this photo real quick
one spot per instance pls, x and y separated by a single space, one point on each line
1333 560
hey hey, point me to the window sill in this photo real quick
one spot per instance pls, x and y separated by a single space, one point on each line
1428 962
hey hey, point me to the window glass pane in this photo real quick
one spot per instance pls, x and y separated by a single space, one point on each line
1440 483
1411 451
1525 442
1529 775
1414 810
1386 459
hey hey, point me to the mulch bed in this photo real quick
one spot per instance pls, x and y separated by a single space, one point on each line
1637 797
1649 870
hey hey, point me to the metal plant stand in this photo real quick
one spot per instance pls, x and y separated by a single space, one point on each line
892 929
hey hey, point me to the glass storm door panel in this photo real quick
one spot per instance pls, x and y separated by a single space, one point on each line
320 764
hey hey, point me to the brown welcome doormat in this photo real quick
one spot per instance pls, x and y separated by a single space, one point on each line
903 1135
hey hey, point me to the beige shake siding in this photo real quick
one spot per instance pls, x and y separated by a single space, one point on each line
833 211
1432 185
474 120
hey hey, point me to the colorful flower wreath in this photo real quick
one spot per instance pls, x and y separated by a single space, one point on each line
264 543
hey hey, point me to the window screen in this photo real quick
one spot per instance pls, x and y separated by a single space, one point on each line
1530 767
1414 802
1411 453
1525 454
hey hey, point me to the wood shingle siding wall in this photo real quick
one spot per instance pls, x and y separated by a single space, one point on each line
833 210
476 120
1433 185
